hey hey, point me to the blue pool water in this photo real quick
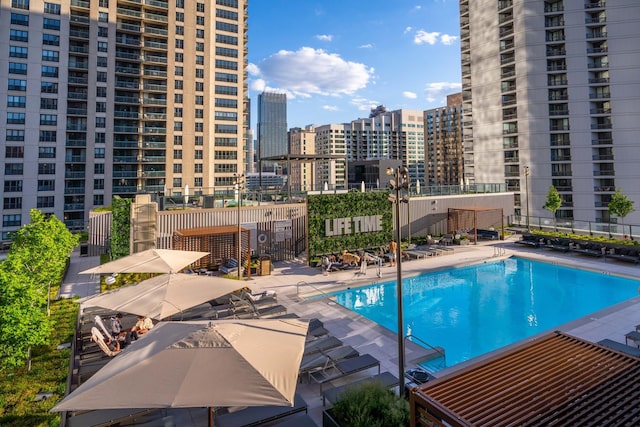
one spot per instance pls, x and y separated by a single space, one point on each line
472 310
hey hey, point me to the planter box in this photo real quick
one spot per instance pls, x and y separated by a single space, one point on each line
328 420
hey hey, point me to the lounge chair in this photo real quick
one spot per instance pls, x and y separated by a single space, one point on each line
324 359
624 254
387 379
590 249
529 240
321 344
257 415
344 368
231 267
98 338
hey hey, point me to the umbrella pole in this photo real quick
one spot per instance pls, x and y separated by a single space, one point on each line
210 416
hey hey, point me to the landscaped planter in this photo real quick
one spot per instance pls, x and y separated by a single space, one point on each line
328 420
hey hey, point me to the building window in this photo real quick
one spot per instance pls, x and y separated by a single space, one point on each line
12 203
100 138
103 3
177 182
177 112
14 135
101 107
197 181
48 71
98 184
18 52
13 186
48 104
199 127
199 140
99 153
16 101
179 57
179 44
199 59
101 61
178 84
11 152
200 7
103 46
45 201
180 16
197 168
198 155
20 4
180 30
11 220
177 140
19 19
177 168
199 46
50 40
179 71
15 118
101 76
44 185
199 73
47 152
46 168
48 119
177 154
48 136
199 100
199 20
199 34
180 4
103 17
177 126
103 32
98 169
199 86
50 56
199 113
13 168
98 200
17 68
51 24
101 92
177 98
18 35
101 122
17 85
52 8
48 87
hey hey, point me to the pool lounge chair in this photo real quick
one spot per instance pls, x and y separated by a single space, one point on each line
322 343
622 348
332 395
345 368
258 415
325 359
231 267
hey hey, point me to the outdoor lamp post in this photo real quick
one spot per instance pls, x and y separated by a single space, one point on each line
399 182
240 180
526 171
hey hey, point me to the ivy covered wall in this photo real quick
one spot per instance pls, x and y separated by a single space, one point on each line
120 227
322 207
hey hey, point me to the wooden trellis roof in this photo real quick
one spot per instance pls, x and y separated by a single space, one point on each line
554 380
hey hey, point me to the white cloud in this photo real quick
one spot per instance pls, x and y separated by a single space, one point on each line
418 7
258 85
364 104
439 90
314 71
330 107
422 37
410 95
448 39
366 46
253 69
408 30
324 37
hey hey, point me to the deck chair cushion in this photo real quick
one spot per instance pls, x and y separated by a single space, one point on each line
98 338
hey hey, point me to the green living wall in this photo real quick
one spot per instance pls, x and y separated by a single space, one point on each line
321 207
120 227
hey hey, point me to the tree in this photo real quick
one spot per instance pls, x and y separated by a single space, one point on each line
620 205
553 203
37 259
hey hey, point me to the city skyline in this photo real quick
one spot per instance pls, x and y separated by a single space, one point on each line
335 61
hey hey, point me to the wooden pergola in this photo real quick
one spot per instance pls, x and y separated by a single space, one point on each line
221 243
474 217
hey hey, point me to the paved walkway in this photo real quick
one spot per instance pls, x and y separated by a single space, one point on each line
295 283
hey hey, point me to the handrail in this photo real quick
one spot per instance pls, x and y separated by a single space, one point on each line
303 283
412 337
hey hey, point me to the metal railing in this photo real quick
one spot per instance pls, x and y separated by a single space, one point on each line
439 350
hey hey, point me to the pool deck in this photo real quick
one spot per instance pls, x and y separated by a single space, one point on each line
295 283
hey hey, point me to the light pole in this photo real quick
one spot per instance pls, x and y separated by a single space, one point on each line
399 182
527 171
238 185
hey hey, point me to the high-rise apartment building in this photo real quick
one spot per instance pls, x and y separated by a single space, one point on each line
118 97
443 143
551 88
272 127
301 175
331 140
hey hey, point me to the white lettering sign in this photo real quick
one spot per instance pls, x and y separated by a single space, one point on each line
357 224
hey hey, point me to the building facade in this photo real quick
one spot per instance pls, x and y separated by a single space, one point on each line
272 128
443 143
301 175
118 97
550 92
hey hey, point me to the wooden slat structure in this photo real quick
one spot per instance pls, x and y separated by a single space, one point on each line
553 380
220 242
474 217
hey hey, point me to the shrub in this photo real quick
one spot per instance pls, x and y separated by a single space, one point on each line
371 405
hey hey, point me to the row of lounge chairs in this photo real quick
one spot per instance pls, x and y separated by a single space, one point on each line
631 350
596 250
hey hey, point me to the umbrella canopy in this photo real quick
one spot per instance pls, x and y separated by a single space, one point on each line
149 261
165 295
200 364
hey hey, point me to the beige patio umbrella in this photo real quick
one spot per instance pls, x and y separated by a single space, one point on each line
200 364
149 261
164 295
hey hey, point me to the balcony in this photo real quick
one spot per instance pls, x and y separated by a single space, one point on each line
603 157
602 141
597 126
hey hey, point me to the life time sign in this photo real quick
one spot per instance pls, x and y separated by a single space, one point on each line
351 225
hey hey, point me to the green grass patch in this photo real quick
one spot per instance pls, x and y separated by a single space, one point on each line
48 374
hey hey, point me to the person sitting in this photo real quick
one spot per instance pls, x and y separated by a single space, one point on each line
142 326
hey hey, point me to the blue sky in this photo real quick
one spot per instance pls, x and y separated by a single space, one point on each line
338 59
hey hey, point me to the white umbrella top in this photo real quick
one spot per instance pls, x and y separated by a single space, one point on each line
149 261
200 364
163 296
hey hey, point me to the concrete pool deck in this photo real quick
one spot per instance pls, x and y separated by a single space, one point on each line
294 282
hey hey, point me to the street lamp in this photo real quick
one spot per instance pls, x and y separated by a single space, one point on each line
526 172
399 182
239 183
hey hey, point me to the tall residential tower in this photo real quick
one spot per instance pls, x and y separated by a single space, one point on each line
118 97
551 88
272 127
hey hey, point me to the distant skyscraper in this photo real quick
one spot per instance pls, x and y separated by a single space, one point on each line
120 97
551 87
272 127
443 143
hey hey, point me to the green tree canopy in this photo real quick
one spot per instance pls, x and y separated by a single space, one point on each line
553 202
620 205
37 259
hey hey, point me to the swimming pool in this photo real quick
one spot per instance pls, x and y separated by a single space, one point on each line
472 310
